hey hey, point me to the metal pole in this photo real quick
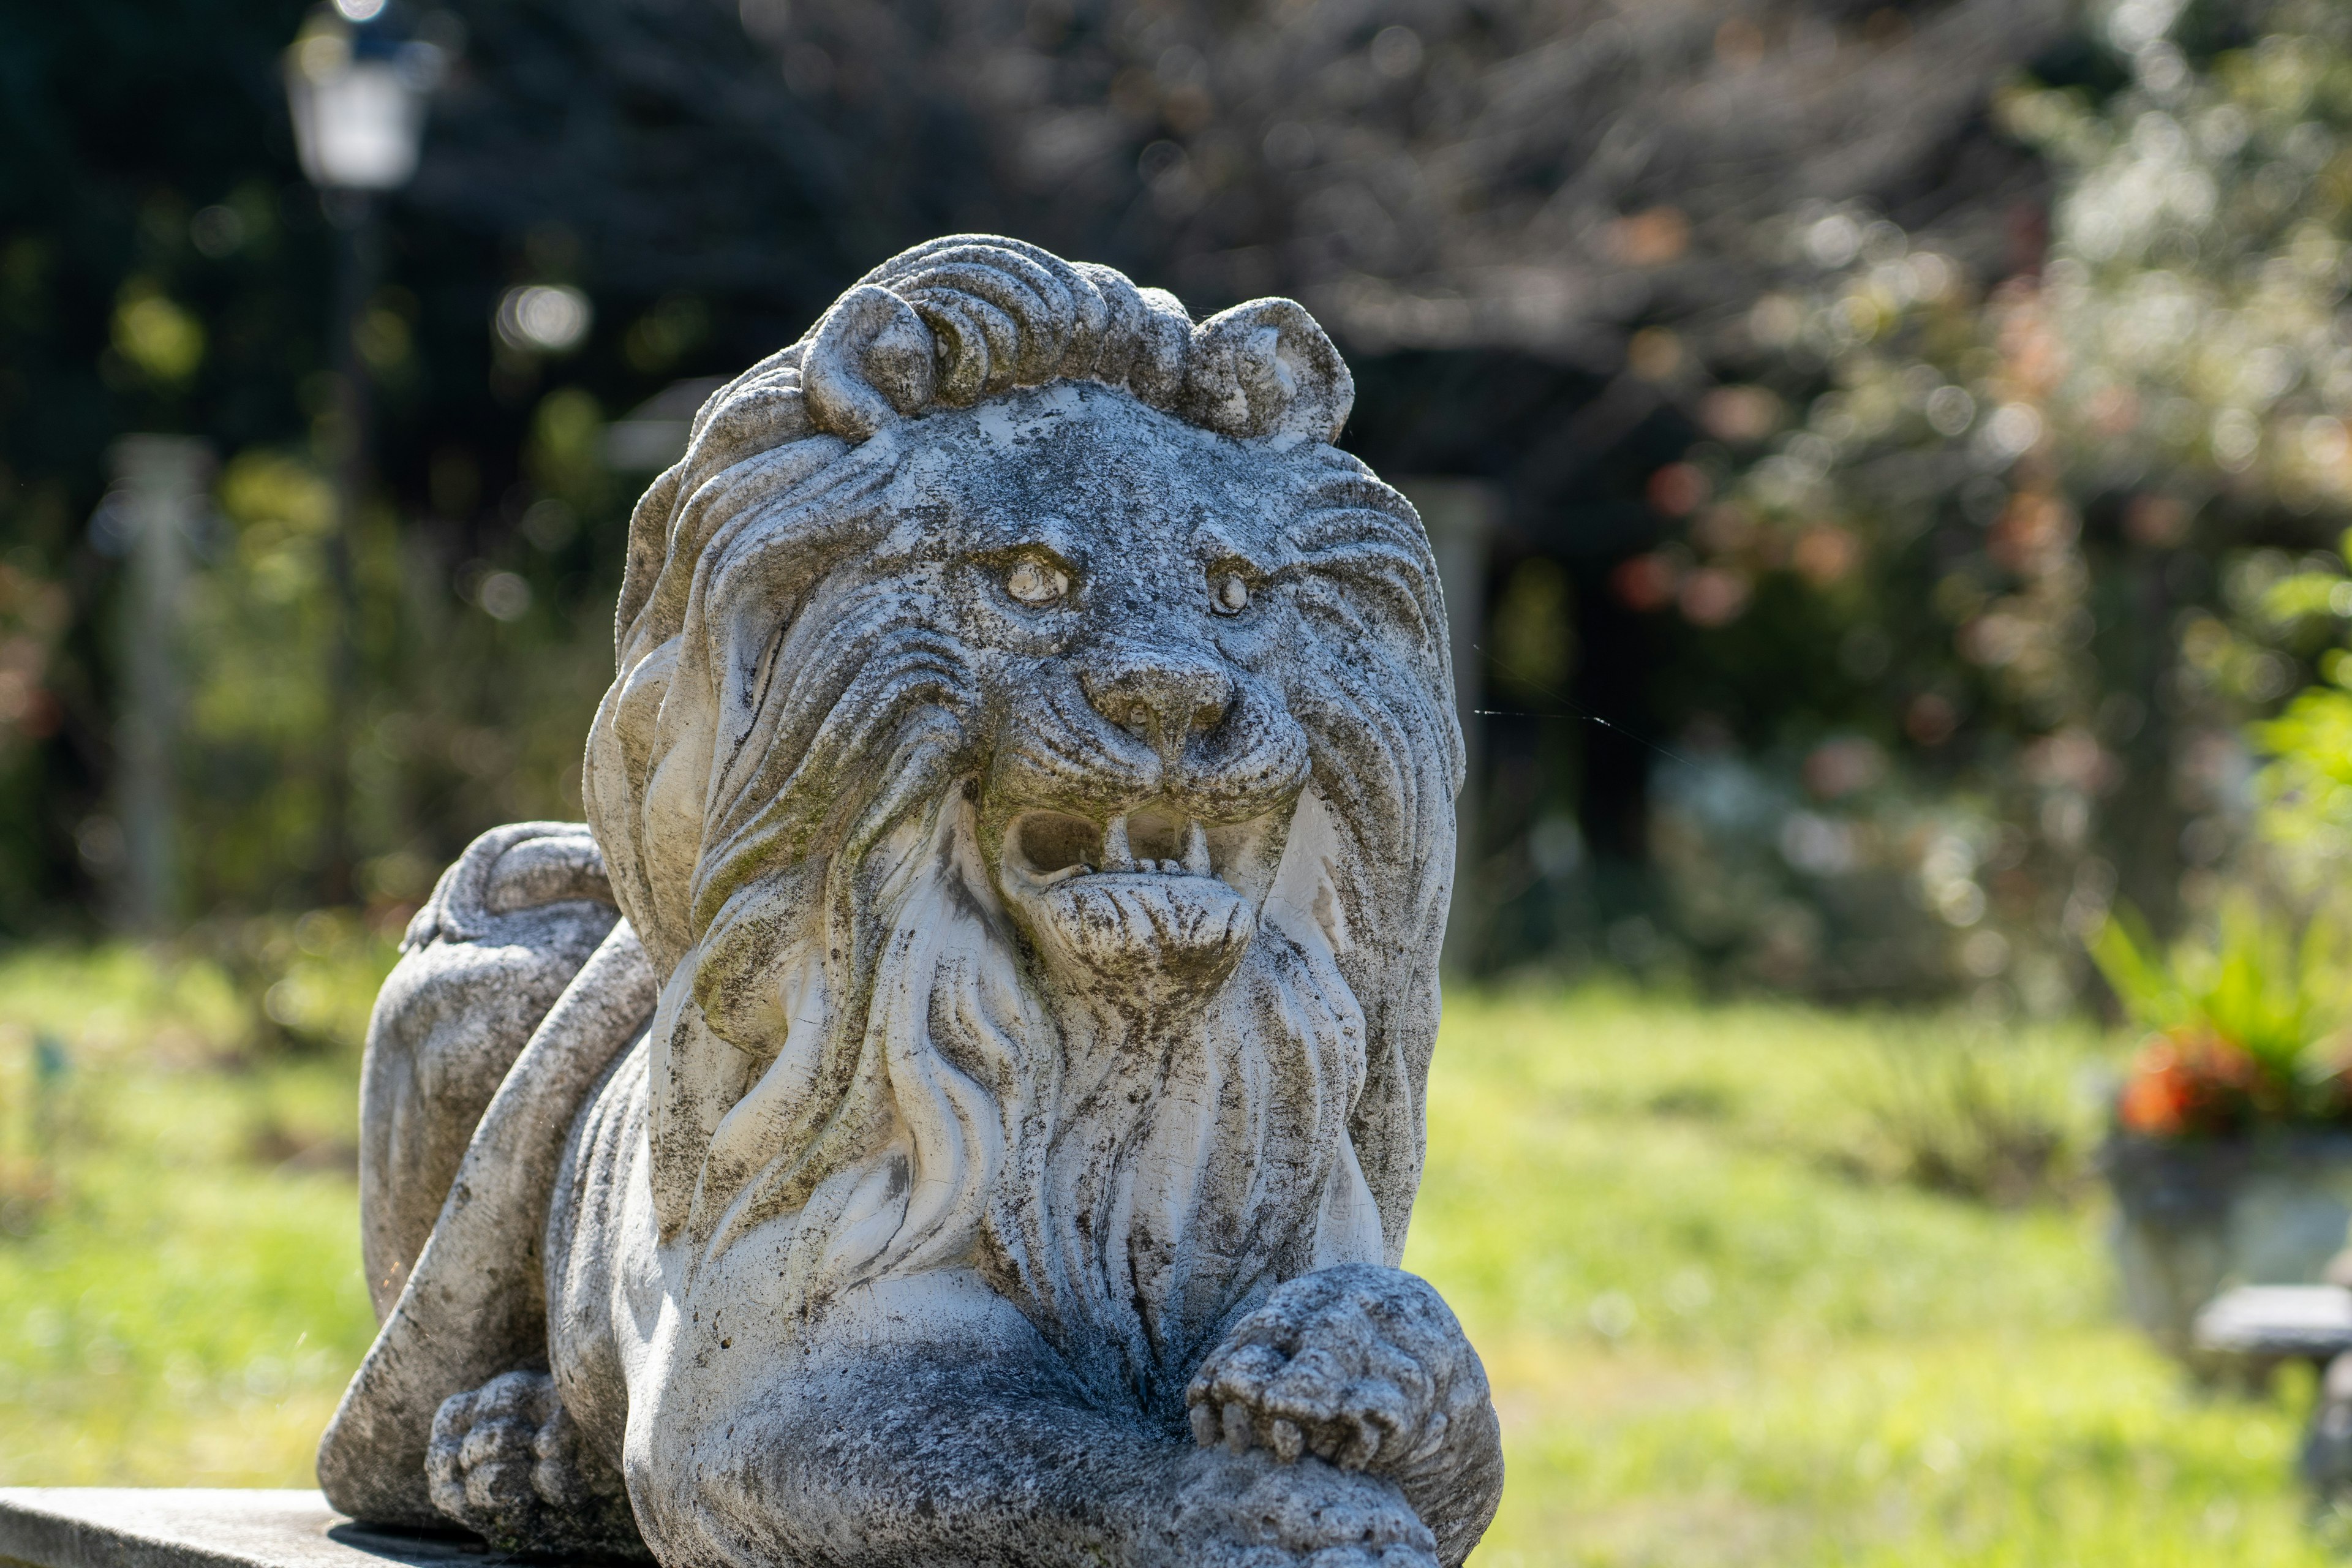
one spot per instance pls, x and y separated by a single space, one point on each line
1461 516
161 481
352 215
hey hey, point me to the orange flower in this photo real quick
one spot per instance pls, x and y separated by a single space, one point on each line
2157 1096
2188 1082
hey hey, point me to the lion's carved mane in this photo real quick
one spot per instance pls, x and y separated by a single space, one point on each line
853 1066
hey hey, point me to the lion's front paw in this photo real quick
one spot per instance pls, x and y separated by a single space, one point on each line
1362 1366
1242 1510
508 1463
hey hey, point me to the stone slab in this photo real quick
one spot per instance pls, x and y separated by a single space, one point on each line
158 1527
2277 1322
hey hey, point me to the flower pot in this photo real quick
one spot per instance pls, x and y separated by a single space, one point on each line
2194 1216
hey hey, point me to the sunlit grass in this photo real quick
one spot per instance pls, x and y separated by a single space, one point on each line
1715 1340
1717 1333
180 1291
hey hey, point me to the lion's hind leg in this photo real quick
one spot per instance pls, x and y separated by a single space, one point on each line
509 926
508 1462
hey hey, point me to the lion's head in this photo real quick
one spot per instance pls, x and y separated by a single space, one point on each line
1032 760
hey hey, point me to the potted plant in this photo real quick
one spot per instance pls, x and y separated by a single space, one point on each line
2231 1151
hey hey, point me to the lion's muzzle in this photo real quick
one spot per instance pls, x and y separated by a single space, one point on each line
1136 903
1149 929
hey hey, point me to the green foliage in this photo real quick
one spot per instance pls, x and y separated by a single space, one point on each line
2276 988
2246 1018
2304 791
159 339
1979 1114
563 457
466 710
164 268
2047 526
259 639
1533 633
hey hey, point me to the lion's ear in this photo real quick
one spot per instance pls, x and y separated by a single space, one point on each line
868 362
1267 370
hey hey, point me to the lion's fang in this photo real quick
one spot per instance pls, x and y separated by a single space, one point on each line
1196 848
1117 856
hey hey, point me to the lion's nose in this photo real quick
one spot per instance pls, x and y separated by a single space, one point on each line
1160 694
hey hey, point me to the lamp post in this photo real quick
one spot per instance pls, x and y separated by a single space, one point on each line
357 91
158 500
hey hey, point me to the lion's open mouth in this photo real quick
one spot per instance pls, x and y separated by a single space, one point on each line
1145 893
1053 846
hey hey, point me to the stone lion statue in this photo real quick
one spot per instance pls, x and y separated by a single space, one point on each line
960 1097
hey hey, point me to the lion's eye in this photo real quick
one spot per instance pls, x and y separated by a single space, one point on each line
1231 594
1034 583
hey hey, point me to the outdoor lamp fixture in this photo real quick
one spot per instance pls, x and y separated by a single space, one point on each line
357 87
357 95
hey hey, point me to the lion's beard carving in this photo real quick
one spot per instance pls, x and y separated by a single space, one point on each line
1126 1190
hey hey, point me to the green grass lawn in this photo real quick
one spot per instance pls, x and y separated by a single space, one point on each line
180 1290
1720 1329
1716 1338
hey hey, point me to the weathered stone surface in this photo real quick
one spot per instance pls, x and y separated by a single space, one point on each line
988 1131
2270 1323
145 1527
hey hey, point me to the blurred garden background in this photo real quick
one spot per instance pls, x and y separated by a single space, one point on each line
1892 470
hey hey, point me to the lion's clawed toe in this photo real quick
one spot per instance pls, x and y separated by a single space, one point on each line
508 1463
1360 1366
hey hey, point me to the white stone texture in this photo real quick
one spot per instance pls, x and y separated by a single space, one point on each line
988 1132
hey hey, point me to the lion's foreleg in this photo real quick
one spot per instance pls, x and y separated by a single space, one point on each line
1364 1367
957 1453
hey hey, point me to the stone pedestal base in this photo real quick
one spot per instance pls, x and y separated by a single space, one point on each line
144 1527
